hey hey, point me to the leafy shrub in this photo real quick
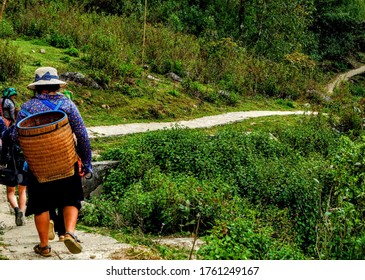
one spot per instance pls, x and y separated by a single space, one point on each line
128 90
168 180
166 66
60 41
232 99
194 89
174 92
286 102
100 212
10 61
65 58
167 51
101 78
341 231
158 201
245 233
358 90
241 239
130 70
72 51
134 163
315 135
6 29
347 117
104 54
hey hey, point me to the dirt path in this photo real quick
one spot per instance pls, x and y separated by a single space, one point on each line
204 122
344 77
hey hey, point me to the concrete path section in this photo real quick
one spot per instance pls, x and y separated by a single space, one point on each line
204 122
17 242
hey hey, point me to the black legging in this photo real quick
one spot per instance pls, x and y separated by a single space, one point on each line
57 216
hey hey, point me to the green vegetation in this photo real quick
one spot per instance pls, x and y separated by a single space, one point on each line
259 195
269 188
229 54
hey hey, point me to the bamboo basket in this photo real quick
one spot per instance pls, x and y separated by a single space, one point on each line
48 145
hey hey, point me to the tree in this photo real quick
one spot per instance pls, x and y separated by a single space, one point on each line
339 26
2 9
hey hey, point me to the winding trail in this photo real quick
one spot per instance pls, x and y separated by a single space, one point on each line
344 77
209 121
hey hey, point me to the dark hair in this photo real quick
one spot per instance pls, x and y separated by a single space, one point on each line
40 88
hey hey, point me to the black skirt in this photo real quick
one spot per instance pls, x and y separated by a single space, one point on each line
55 194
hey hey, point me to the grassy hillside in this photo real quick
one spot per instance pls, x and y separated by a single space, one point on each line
219 74
162 100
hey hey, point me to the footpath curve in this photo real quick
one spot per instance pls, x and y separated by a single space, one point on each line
344 77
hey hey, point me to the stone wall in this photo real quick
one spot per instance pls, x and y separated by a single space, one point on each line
100 170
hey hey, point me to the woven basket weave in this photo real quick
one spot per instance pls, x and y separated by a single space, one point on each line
48 145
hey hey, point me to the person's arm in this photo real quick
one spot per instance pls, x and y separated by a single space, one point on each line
83 147
2 126
6 142
21 115
12 113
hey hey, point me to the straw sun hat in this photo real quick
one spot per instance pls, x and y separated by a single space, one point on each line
46 76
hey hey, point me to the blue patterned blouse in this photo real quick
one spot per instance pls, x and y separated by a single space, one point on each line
35 105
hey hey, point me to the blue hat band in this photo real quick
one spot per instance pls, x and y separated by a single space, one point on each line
46 77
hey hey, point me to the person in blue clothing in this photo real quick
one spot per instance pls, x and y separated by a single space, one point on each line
65 193
9 151
2 126
8 105
12 157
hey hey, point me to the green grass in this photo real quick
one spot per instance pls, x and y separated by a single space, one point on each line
34 58
144 100
269 124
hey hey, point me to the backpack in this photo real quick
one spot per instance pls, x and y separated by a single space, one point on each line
9 174
6 110
10 177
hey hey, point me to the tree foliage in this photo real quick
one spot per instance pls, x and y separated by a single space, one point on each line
326 28
321 28
339 26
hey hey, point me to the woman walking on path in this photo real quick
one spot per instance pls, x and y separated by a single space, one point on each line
10 154
8 106
67 192
12 157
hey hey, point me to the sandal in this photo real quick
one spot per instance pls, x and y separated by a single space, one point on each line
45 251
72 243
51 233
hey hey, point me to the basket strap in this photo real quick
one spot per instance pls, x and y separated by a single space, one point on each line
51 105
25 112
59 105
47 103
